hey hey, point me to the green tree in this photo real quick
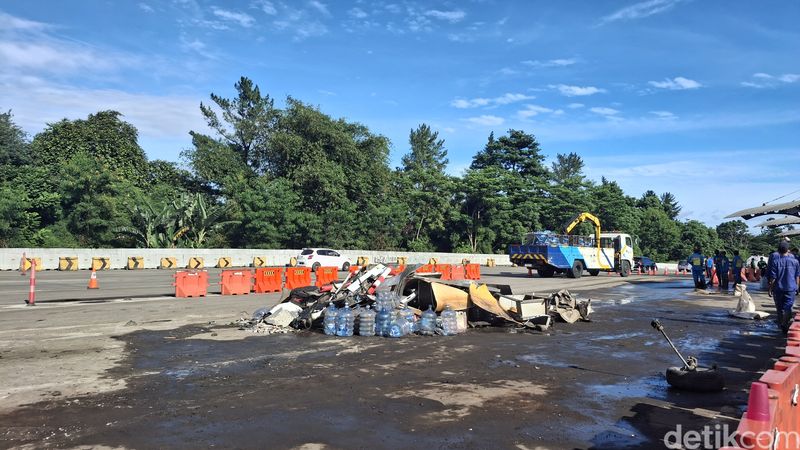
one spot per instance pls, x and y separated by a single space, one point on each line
246 125
568 193
734 235
694 233
670 205
658 234
615 210
103 136
426 188
14 150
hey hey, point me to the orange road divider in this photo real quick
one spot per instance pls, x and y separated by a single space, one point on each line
190 283
298 277
168 263
326 275
268 279
135 263
195 262
472 271
458 272
101 263
68 263
354 269
236 282
396 270
93 280
426 268
445 269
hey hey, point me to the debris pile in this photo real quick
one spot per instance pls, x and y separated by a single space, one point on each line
370 302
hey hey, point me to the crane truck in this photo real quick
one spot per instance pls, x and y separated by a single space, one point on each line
549 253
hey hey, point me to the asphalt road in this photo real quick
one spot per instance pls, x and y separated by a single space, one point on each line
144 372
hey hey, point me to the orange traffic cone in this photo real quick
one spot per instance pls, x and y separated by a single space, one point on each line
93 281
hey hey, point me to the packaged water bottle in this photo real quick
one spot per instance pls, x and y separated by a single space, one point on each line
366 322
427 324
397 325
410 320
329 322
382 320
449 322
345 322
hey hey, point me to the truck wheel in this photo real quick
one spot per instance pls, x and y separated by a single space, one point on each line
594 272
546 272
577 270
626 269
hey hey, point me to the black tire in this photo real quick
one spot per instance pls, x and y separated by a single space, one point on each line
546 272
345 267
625 270
594 272
576 271
315 266
700 380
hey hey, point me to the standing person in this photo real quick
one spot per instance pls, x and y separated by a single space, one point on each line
762 267
722 271
696 260
738 265
783 274
711 264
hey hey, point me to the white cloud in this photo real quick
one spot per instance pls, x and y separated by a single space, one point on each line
551 62
12 23
663 114
324 92
322 8
450 16
534 110
603 111
358 13
765 80
575 105
243 19
146 8
640 10
486 120
266 6
505 99
54 56
676 84
576 91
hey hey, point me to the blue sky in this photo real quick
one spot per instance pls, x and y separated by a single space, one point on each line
699 98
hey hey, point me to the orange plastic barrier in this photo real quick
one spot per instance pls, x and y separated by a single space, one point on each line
326 275
426 268
192 283
396 270
445 269
457 272
298 277
354 269
473 272
236 282
268 279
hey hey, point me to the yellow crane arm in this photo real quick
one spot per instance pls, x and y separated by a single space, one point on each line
583 217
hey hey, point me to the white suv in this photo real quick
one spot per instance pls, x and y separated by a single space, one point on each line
322 257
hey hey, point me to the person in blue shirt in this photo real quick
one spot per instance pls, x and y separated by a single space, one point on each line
783 274
738 265
723 267
710 270
697 261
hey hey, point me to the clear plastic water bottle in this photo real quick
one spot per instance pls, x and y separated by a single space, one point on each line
427 324
449 322
329 322
366 322
410 320
397 325
382 320
345 322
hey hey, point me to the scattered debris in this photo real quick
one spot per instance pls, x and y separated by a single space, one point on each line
691 377
746 308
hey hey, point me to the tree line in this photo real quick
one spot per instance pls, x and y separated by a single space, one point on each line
269 177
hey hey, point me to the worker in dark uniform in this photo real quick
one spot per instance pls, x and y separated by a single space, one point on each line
762 267
722 271
783 273
697 260
738 265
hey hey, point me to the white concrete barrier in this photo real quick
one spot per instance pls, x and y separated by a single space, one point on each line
10 257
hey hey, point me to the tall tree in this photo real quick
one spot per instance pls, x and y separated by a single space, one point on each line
426 188
518 153
734 235
670 205
14 149
103 136
246 124
568 192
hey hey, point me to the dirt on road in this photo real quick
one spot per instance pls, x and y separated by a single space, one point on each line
587 385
